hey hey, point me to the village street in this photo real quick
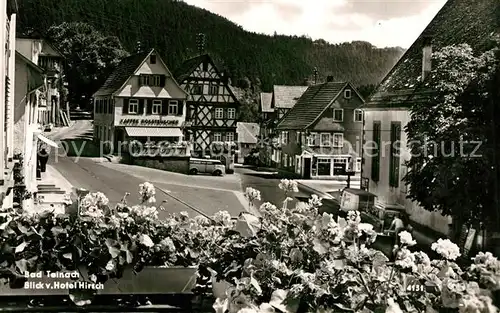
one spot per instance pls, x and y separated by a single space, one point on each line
175 192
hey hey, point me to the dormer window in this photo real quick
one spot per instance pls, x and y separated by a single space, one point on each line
347 94
152 59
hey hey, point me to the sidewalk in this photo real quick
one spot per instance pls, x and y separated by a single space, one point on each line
53 191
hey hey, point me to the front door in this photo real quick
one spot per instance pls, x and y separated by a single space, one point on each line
307 168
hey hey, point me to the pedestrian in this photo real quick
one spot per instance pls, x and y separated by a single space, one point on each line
397 226
43 157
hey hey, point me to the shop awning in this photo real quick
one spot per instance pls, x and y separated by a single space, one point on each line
47 141
153 131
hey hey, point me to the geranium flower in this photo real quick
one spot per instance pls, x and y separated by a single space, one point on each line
315 201
446 249
406 238
147 192
288 185
252 194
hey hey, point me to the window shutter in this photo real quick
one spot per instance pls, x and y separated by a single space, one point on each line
180 107
125 105
163 79
149 106
164 107
141 106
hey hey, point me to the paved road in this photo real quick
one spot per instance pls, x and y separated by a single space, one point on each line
115 180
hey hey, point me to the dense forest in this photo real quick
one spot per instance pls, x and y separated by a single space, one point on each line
172 27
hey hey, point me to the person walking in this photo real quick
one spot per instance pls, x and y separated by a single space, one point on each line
396 227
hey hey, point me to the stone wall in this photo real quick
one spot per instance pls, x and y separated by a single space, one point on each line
178 164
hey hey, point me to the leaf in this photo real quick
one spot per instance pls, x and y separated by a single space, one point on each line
68 256
379 259
4 225
57 230
279 301
129 257
146 240
339 264
319 246
256 285
247 225
20 248
22 229
115 252
22 265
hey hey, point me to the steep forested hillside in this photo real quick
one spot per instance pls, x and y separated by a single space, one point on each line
171 27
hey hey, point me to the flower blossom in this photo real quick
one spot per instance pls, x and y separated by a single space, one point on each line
252 194
315 201
147 192
406 238
223 217
288 185
446 249
406 259
267 207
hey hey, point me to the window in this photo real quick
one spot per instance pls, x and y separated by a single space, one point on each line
157 80
152 59
144 80
338 115
217 137
324 167
325 140
173 105
358 165
358 115
213 89
106 110
156 109
230 137
376 151
347 93
219 113
284 138
231 113
338 140
339 166
197 89
310 139
395 153
133 106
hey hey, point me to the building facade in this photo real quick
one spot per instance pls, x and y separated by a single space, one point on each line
387 111
39 51
7 79
212 109
320 137
140 102
248 139
29 86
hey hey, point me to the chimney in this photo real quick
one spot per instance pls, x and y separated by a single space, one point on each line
426 57
329 79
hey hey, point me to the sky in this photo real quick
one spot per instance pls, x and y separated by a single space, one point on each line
384 23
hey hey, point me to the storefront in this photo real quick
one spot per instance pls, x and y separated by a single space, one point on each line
317 166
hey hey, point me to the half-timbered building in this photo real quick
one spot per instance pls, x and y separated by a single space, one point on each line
212 109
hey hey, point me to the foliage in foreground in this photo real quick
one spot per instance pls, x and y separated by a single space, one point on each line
286 260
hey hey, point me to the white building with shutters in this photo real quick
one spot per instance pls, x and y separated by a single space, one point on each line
140 101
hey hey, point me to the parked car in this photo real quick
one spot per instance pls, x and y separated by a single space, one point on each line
206 166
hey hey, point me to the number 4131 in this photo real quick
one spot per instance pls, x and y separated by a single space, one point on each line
415 286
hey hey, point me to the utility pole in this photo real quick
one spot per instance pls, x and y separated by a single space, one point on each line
200 43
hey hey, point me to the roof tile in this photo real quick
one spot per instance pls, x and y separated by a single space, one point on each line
122 72
248 132
287 96
312 103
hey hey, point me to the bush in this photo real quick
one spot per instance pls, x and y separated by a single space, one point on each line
286 260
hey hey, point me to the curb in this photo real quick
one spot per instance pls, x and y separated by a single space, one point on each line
319 193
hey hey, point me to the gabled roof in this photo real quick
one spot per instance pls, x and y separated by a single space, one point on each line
188 66
311 105
29 62
120 75
247 132
459 21
265 101
35 79
286 97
